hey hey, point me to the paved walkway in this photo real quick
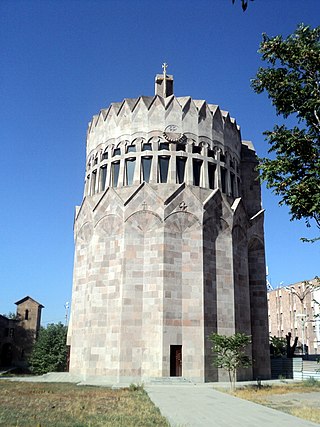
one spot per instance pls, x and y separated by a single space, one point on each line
197 405
202 406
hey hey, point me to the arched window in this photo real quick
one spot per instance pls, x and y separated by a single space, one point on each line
131 149
211 170
181 147
26 315
233 184
212 154
146 168
163 146
196 171
223 180
163 168
116 152
130 166
115 167
181 166
104 156
196 149
147 146
93 182
103 177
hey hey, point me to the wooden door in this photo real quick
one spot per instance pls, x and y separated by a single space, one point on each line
175 360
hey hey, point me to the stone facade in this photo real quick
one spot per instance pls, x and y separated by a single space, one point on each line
296 309
169 242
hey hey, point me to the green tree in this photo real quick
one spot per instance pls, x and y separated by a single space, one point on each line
49 353
292 81
278 346
229 353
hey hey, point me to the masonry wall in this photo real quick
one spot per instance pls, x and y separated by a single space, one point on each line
168 243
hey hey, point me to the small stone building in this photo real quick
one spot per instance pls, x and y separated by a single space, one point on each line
17 336
169 242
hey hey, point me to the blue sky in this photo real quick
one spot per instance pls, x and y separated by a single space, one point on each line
62 61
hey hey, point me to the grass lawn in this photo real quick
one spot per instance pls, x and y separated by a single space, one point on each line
299 399
61 405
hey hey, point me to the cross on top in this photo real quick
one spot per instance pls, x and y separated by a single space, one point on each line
164 67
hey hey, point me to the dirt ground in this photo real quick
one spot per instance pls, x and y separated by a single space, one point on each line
290 400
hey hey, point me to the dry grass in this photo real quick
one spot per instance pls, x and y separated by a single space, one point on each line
301 400
24 404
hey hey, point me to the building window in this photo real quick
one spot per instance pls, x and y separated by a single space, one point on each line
196 149
130 166
223 180
212 154
103 177
116 152
146 168
105 156
181 166
147 146
163 146
211 170
163 168
196 171
95 161
11 333
26 315
131 149
233 186
181 147
115 167
93 182
222 158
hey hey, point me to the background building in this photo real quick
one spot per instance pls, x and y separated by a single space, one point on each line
18 335
296 309
169 242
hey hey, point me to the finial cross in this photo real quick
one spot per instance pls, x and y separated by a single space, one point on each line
164 67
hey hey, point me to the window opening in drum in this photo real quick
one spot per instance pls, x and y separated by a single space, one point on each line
163 169
93 182
131 149
115 173
147 146
211 170
181 167
146 168
130 166
223 180
163 146
103 178
196 171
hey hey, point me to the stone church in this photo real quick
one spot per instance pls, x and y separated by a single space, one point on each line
169 242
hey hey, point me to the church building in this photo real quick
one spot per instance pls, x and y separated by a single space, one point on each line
169 242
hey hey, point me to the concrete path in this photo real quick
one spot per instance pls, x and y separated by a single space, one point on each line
202 406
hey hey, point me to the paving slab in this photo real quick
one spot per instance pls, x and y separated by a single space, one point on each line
202 406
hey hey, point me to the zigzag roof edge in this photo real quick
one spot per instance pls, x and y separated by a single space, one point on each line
149 101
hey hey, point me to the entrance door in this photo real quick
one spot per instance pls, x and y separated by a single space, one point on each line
175 360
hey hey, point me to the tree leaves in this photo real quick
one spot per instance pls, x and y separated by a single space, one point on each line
229 352
292 81
49 353
244 4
